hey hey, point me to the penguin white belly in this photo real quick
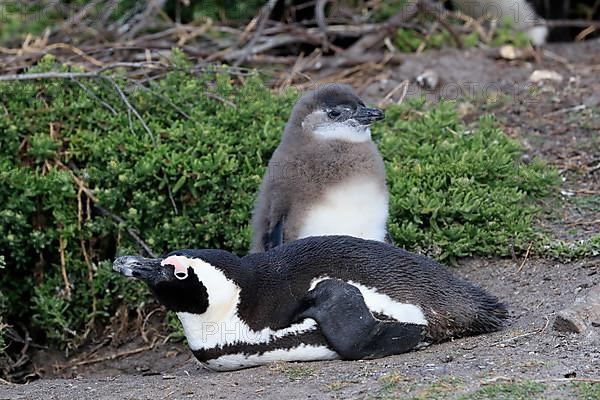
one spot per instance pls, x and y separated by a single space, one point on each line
203 335
358 207
302 352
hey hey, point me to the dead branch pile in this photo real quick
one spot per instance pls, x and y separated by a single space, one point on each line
142 41
345 46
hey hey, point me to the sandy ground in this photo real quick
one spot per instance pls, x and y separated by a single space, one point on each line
561 124
527 349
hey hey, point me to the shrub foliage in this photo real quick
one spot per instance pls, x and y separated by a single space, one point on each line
190 182
456 191
79 173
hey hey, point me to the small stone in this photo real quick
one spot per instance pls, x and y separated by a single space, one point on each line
584 312
592 100
509 52
568 322
567 193
464 108
545 75
447 358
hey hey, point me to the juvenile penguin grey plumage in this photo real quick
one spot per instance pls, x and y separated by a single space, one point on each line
326 177
520 13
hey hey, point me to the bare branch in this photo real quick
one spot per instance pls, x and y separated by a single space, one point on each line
89 193
171 195
48 75
433 9
321 22
160 96
78 75
130 231
130 108
94 96
407 12
265 13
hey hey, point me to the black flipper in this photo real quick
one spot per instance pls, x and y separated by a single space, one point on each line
273 238
349 326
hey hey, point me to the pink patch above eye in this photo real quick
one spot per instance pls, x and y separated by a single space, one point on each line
181 270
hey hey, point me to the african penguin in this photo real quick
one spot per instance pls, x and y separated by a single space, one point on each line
326 177
318 298
519 12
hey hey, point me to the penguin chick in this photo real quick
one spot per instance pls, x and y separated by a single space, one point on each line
326 177
520 13
317 298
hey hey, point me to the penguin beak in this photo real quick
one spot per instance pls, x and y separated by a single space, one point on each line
366 115
149 270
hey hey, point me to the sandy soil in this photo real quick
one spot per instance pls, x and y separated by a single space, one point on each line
561 124
527 349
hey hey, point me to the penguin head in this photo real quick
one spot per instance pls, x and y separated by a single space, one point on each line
334 112
183 281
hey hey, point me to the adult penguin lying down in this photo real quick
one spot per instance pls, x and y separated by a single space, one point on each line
318 298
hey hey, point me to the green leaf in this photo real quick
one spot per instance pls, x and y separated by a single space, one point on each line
179 184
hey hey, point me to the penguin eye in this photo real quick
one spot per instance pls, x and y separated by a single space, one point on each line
333 113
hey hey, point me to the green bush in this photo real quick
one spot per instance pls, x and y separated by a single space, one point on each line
409 40
233 10
53 130
22 18
2 310
455 191
191 182
569 251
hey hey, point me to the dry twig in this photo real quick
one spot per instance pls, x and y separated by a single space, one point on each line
432 9
86 258
501 378
321 22
143 330
402 85
584 222
366 42
130 108
94 96
525 258
63 267
264 14
161 97
112 356
106 212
